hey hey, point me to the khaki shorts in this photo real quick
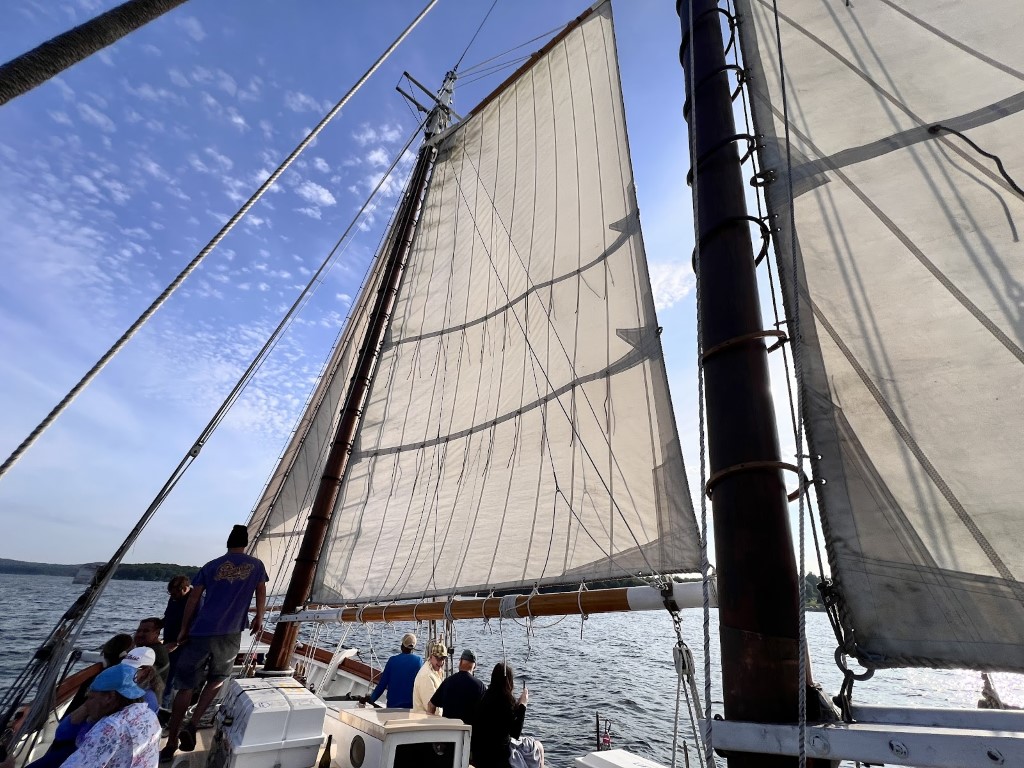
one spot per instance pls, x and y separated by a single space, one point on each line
219 651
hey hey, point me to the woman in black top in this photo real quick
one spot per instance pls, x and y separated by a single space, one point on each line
498 720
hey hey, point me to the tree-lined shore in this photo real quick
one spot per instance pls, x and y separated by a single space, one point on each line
125 571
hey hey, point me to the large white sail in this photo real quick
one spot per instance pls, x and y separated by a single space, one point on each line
519 429
911 308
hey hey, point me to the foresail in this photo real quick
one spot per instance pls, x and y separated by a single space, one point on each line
519 429
910 269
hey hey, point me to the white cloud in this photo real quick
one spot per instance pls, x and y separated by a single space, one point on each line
314 193
95 117
301 102
267 128
61 118
85 184
192 27
670 283
226 82
106 57
321 165
313 212
237 120
225 163
179 79
378 157
387 133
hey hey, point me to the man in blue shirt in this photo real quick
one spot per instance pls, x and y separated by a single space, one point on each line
398 676
211 633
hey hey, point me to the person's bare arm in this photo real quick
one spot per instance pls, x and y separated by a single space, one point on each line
261 604
190 611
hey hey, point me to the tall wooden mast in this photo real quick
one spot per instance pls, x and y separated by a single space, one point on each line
756 566
286 632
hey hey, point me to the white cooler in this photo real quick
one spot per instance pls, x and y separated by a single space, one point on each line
267 723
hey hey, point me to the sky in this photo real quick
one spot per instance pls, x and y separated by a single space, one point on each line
117 172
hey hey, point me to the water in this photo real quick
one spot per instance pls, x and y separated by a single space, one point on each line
620 667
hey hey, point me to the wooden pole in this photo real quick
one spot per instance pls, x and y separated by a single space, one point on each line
643 598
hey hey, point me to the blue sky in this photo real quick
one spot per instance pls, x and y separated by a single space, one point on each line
117 172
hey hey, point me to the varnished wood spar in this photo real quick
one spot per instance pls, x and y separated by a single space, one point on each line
686 595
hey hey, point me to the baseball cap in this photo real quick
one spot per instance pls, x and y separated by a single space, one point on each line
438 649
142 656
119 678
408 640
468 655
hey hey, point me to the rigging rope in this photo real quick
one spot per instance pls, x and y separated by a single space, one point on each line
191 267
707 737
479 64
796 335
484 21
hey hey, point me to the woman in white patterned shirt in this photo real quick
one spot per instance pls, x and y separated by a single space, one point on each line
127 734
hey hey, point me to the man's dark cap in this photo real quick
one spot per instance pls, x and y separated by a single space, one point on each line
468 655
239 537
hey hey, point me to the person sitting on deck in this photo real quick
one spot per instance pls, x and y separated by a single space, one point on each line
148 635
398 676
214 635
429 677
498 724
143 660
458 695
126 733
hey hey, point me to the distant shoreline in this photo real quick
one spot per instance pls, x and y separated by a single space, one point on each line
124 572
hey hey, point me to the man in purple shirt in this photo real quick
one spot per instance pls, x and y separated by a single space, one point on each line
211 632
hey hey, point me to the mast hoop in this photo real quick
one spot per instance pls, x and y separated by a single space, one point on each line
731 18
742 77
766 234
751 146
782 337
758 466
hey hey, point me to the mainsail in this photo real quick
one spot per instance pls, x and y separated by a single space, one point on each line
519 429
910 308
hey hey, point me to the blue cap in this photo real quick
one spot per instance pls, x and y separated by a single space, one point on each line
119 678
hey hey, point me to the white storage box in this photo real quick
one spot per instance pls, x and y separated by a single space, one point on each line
268 722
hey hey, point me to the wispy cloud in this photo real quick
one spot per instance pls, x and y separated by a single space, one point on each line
297 101
314 193
670 283
386 133
95 117
192 27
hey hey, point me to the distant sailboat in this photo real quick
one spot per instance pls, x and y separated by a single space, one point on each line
497 419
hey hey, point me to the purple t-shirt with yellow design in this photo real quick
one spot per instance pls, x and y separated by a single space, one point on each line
228 583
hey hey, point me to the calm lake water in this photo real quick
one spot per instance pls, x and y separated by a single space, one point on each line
620 666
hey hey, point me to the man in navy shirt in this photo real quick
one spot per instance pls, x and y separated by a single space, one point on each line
399 675
459 694
211 633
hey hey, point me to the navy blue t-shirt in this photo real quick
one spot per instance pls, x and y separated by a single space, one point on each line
228 583
458 696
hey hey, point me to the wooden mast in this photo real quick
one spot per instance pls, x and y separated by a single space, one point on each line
756 566
301 584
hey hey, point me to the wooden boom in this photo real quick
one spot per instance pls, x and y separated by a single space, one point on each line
684 595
